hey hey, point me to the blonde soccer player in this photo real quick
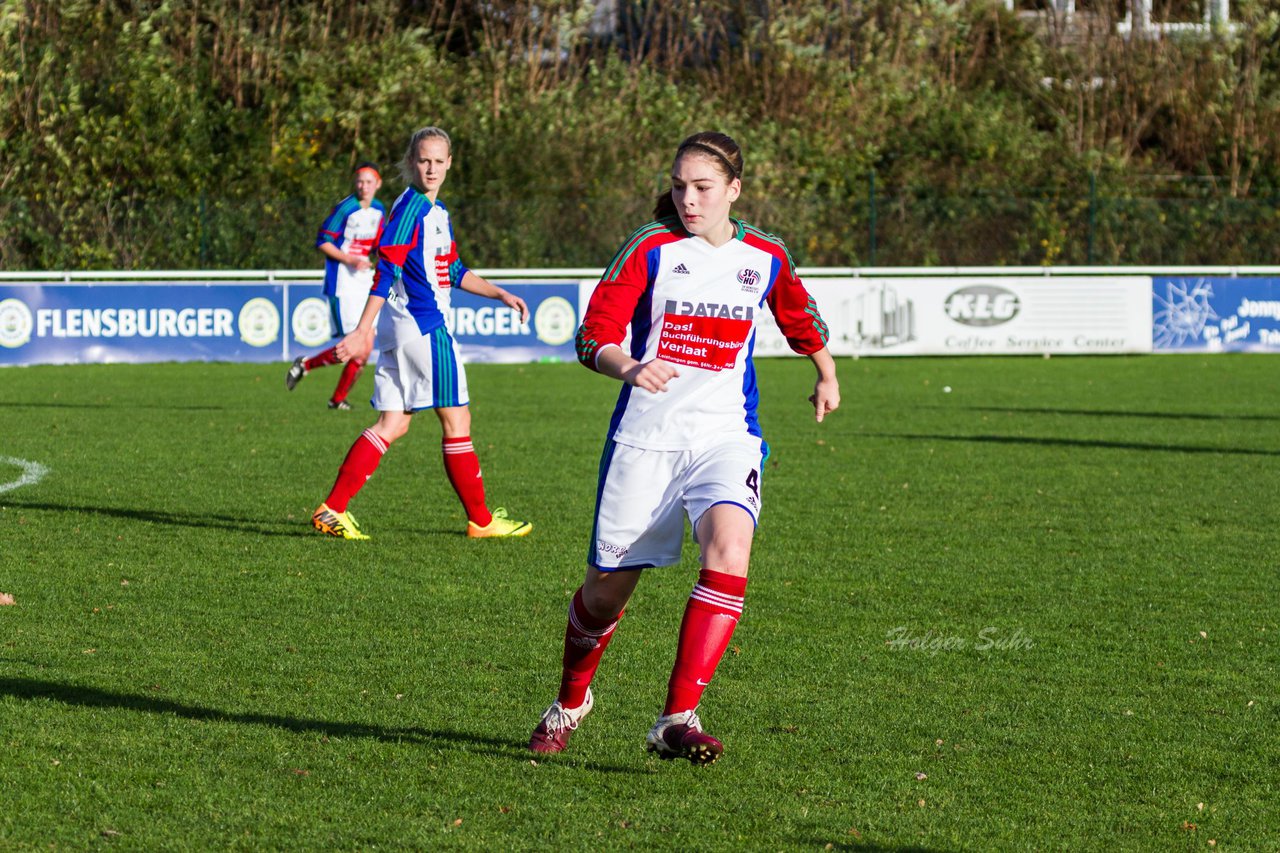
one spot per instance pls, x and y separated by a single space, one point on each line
419 366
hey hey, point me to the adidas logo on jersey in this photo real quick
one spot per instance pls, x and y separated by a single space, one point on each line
680 269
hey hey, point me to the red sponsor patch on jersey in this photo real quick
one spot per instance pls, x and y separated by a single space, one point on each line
360 248
711 343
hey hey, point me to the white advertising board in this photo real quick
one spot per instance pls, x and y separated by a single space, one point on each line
978 316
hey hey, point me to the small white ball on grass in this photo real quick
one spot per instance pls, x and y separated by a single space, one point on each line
946 389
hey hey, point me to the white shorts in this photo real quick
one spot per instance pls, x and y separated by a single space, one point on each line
644 496
346 307
421 373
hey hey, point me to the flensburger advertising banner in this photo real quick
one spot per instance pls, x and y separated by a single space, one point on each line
102 323
979 316
487 330
1208 314
162 321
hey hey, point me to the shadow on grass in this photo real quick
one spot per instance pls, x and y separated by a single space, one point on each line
300 527
122 405
1106 413
1076 442
94 697
824 844
203 520
819 844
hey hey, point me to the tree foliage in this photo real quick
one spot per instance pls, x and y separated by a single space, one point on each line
216 133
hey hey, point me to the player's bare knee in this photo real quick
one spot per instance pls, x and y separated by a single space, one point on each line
392 425
605 594
730 558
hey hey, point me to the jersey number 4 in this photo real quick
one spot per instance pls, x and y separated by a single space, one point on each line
753 482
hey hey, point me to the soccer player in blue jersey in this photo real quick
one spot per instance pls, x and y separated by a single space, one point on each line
346 240
419 366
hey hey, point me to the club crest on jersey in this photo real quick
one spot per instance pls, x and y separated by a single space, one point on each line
750 280
710 309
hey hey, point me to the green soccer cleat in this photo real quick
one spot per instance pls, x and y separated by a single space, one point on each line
333 523
499 526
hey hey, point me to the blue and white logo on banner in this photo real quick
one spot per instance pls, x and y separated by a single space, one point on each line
1215 314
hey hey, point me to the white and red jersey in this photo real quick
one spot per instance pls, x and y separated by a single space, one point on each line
354 230
695 306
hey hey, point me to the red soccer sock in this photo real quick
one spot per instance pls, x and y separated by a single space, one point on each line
322 359
585 638
709 619
362 460
350 373
463 467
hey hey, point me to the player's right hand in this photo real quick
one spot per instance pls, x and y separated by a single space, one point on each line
356 345
652 376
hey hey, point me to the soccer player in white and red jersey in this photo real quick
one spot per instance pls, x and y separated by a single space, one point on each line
346 240
684 439
419 366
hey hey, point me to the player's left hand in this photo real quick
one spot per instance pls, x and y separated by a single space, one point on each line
512 301
825 398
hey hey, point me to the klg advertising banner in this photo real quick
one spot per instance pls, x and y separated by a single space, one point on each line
979 316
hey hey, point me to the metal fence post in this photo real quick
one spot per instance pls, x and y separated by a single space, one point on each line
204 232
871 215
1093 214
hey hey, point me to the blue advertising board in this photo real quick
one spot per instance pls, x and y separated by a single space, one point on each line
162 321
1215 314
108 322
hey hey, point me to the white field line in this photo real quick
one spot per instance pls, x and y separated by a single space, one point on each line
32 472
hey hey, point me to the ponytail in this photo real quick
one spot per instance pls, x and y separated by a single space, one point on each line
664 206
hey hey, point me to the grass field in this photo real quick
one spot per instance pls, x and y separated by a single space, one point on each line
1037 612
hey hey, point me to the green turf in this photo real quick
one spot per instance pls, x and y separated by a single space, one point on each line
189 667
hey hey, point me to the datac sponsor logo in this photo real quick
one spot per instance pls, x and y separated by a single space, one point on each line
710 309
982 305
311 323
15 323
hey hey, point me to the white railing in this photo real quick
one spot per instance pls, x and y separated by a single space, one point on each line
582 273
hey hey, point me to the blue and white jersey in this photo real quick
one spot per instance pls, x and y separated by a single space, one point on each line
418 266
354 230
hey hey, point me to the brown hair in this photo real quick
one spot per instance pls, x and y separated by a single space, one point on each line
719 148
